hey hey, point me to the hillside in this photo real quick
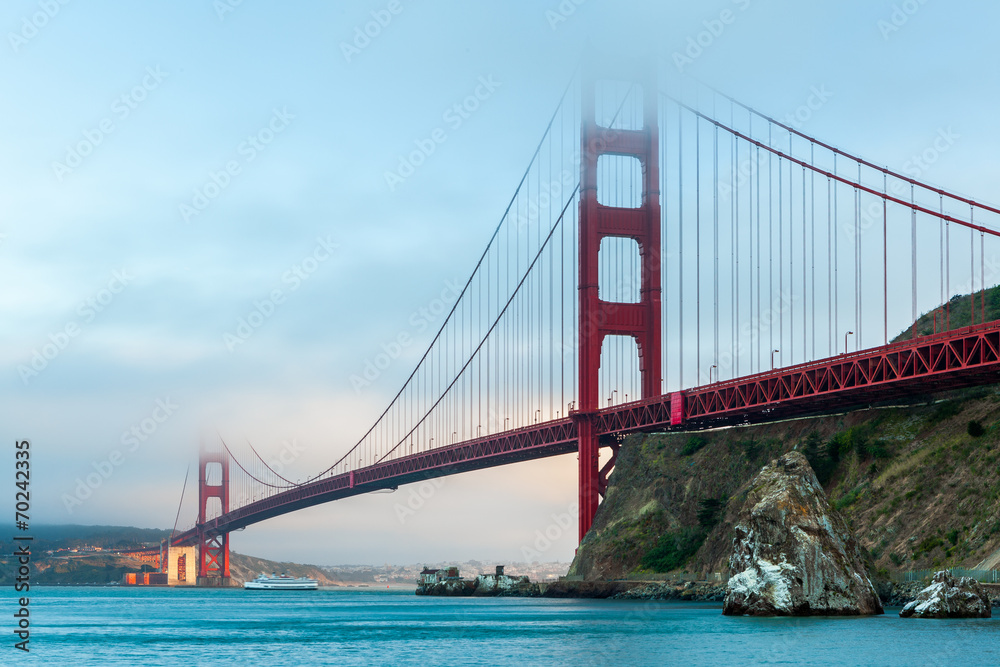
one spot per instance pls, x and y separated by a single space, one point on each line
918 484
243 568
957 313
55 561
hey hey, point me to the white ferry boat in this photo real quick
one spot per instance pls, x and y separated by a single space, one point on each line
282 583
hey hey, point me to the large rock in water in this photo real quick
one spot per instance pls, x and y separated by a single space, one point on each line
793 555
948 597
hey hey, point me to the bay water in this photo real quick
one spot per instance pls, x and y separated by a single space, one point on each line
160 626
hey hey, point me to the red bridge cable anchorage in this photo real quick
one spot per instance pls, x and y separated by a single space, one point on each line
458 300
847 181
853 158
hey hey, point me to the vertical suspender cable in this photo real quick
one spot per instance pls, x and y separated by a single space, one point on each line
661 116
829 267
715 243
947 266
885 261
697 249
759 360
913 256
812 234
972 270
836 262
781 258
680 246
807 302
734 221
770 242
857 262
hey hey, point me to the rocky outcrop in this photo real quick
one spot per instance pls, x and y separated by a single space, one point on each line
590 590
454 587
949 597
684 591
485 585
503 585
793 555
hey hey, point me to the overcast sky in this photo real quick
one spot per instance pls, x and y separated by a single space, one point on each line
167 164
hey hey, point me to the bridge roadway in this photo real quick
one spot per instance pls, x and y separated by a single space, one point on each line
907 369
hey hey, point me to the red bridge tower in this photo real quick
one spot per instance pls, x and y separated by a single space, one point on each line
213 548
599 318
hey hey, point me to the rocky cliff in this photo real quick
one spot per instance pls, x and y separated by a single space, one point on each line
916 483
949 597
793 555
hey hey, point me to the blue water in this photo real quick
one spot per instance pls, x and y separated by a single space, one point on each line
119 626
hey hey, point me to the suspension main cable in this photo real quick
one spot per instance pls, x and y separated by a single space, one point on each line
517 289
854 158
458 300
847 181
232 457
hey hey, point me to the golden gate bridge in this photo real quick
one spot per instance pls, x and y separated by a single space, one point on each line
663 264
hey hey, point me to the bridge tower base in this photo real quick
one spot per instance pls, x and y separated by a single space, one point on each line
599 318
213 547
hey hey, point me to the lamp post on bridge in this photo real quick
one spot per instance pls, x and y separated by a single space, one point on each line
849 333
773 352
715 367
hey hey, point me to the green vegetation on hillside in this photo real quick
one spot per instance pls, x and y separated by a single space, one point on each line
674 549
957 313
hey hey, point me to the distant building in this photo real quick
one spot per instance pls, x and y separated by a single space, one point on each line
429 576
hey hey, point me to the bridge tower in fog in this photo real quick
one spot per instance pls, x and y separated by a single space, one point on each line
213 546
600 318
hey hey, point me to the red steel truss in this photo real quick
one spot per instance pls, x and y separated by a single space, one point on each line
951 360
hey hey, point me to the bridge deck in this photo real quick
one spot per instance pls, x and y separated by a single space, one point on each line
951 360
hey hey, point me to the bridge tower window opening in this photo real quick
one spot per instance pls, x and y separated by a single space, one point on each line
213 508
619 181
213 473
619 277
620 377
